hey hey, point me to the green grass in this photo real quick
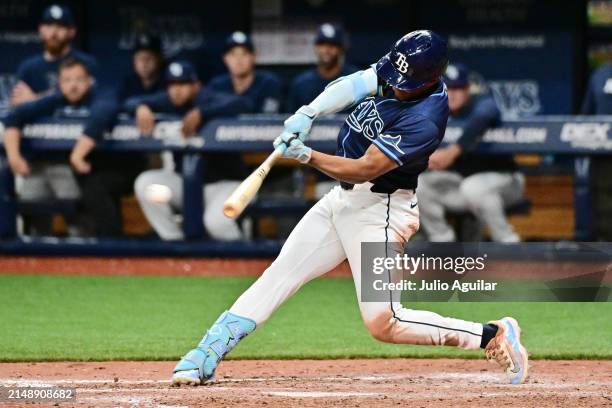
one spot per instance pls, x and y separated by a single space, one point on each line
153 318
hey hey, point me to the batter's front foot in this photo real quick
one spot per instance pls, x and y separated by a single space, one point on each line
507 350
187 377
195 368
199 365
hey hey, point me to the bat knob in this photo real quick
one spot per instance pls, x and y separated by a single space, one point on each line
230 211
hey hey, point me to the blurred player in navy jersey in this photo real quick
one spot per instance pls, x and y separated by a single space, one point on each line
262 87
46 175
147 68
461 180
37 75
598 101
598 98
329 47
160 192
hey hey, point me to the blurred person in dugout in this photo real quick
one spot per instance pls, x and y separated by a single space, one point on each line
147 76
37 75
330 45
329 49
160 192
242 79
598 101
44 176
460 180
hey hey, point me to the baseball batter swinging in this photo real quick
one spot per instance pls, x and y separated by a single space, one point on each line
399 120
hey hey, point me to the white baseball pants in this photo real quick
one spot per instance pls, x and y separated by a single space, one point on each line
332 231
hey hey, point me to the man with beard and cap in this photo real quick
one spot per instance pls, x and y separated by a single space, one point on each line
46 176
37 75
329 48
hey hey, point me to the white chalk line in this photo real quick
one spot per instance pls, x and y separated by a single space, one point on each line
321 394
488 378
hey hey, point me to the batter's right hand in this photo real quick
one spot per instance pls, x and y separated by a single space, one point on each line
145 120
19 166
300 122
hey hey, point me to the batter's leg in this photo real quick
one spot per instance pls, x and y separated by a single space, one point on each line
390 218
312 249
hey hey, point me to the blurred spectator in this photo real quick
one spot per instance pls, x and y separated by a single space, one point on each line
598 101
329 49
598 98
37 75
103 176
262 87
47 175
160 192
461 180
147 68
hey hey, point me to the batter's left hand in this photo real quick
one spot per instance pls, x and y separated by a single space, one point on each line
293 147
300 122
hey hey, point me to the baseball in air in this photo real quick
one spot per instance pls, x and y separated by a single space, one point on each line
158 193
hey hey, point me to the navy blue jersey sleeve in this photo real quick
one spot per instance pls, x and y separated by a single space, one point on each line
412 138
104 108
157 102
30 111
214 104
485 115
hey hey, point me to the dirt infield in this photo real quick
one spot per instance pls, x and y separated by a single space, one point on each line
328 383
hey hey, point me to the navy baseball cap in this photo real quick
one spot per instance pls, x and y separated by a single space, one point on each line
238 39
181 71
147 42
457 76
58 14
330 34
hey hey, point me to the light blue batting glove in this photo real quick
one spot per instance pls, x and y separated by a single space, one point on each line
292 147
300 122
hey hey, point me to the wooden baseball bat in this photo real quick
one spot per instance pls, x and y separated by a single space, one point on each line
244 193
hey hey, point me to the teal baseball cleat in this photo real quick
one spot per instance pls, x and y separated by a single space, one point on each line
198 366
507 350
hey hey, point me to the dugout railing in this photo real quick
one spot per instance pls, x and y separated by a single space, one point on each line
578 137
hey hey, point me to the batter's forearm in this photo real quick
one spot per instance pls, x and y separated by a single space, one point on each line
339 168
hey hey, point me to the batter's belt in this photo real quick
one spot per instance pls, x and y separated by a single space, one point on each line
375 188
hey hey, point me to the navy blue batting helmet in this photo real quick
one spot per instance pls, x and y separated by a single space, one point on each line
415 60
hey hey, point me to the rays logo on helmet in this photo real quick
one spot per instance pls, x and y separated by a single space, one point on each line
365 119
401 63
